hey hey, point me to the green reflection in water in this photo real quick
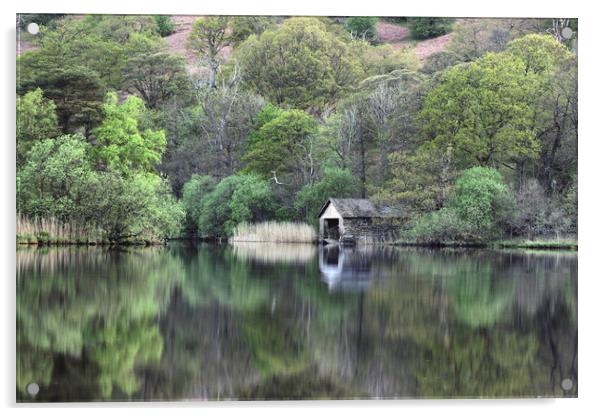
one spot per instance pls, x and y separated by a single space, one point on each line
254 321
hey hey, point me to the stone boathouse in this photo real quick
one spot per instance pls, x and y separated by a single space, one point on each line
357 221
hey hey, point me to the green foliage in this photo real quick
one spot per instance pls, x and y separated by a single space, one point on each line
245 26
419 182
194 193
429 27
135 207
482 199
236 199
335 183
59 181
479 210
484 111
56 175
122 142
384 59
76 91
282 146
540 53
300 64
36 120
165 24
363 28
156 78
208 37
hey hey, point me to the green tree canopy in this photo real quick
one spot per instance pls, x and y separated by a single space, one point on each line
77 92
236 199
282 147
301 64
36 120
484 111
122 143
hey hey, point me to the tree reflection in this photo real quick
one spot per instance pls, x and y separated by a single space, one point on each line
215 322
92 304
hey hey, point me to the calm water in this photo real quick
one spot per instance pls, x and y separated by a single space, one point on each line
293 321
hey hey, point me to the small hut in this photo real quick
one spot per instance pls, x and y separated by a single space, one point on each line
357 220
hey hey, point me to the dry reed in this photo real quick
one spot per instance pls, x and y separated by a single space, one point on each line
274 232
53 231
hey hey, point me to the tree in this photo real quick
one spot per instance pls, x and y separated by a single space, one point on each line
335 183
76 91
245 26
194 193
36 120
555 68
420 181
300 64
363 28
376 121
56 176
226 121
208 37
156 77
165 25
135 207
485 112
236 199
59 181
122 142
282 149
429 27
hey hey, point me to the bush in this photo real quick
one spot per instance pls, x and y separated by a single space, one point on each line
165 25
236 199
440 61
479 210
483 200
429 27
363 28
443 226
194 193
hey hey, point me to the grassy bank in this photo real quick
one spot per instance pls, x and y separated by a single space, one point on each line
274 232
562 244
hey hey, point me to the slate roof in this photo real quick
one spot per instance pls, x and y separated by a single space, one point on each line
354 208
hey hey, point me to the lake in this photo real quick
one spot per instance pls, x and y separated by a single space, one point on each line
276 321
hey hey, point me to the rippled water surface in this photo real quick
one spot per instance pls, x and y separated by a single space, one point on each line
263 321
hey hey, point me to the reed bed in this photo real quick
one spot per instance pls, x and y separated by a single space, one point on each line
274 232
53 231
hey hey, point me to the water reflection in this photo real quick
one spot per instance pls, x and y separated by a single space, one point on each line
259 321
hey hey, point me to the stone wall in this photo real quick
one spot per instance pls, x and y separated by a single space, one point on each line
372 230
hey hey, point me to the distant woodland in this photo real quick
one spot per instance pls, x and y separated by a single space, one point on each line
153 127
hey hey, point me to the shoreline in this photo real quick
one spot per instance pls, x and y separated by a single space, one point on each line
502 244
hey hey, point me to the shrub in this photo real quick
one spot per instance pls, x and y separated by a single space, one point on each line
363 28
479 210
443 226
429 27
165 25
194 193
236 199
483 200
